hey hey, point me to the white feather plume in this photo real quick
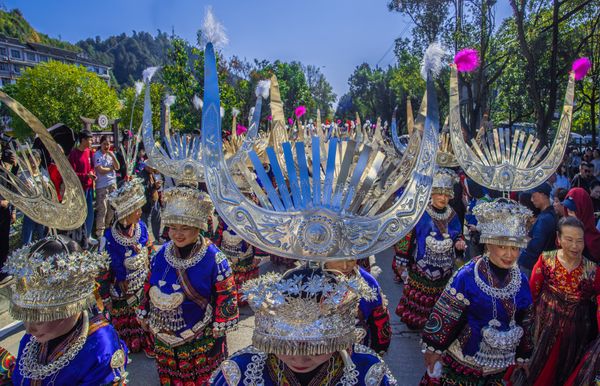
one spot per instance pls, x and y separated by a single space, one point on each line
251 114
212 30
235 112
222 111
138 87
197 102
169 100
432 60
148 74
263 89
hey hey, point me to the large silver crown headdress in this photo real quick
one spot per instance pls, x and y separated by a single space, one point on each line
315 210
186 206
502 222
128 198
49 286
443 181
305 311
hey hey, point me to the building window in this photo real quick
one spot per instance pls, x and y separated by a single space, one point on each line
15 54
102 71
17 68
3 51
4 67
43 58
31 57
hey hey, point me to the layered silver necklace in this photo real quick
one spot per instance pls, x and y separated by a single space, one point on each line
498 347
443 216
183 264
124 240
31 368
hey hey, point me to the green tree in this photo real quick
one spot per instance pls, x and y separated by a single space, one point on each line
57 92
320 89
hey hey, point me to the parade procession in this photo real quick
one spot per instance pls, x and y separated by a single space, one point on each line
175 214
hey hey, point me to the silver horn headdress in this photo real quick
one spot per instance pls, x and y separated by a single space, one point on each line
314 212
34 199
505 160
48 286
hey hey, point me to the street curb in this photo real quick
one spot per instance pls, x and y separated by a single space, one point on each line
11 329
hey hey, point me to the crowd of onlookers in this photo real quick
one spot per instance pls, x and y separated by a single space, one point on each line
100 170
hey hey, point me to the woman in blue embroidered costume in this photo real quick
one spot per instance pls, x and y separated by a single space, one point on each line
128 245
373 315
305 333
482 322
431 257
191 296
67 341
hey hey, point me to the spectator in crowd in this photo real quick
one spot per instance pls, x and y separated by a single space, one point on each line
153 182
574 161
32 231
584 178
106 165
596 163
559 195
595 195
7 214
560 179
579 204
81 161
543 233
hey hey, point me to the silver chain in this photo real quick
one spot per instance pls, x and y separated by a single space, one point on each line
445 215
125 240
183 264
31 368
507 292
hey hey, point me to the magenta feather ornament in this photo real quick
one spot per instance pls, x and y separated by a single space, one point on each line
466 60
300 111
581 67
240 129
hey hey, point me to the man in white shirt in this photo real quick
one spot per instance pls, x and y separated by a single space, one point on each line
106 165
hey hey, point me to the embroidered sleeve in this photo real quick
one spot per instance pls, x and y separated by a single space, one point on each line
7 365
447 318
537 278
524 318
404 251
380 329
226 307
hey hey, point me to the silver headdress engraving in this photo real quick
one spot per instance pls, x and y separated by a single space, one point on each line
315 210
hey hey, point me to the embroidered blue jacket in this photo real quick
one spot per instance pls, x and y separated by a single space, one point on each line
210 278
91 366
463 310
251 365
374 317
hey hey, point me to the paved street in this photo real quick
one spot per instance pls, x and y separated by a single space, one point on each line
404 356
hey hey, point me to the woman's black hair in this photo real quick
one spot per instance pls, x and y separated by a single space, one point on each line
104 138
569 221
54 245
560 194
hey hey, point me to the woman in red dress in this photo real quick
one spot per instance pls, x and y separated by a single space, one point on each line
563 285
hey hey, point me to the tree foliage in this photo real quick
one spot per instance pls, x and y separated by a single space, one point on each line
57 92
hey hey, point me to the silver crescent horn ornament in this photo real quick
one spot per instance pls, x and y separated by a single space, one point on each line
181 157
314 213
508 162
37 200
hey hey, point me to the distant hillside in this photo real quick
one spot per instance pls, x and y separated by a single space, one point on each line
128 55
14 25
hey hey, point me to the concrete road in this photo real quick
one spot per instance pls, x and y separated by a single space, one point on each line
404 357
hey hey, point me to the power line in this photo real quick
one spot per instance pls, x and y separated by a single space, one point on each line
406 25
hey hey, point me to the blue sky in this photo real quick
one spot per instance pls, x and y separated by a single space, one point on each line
336 35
